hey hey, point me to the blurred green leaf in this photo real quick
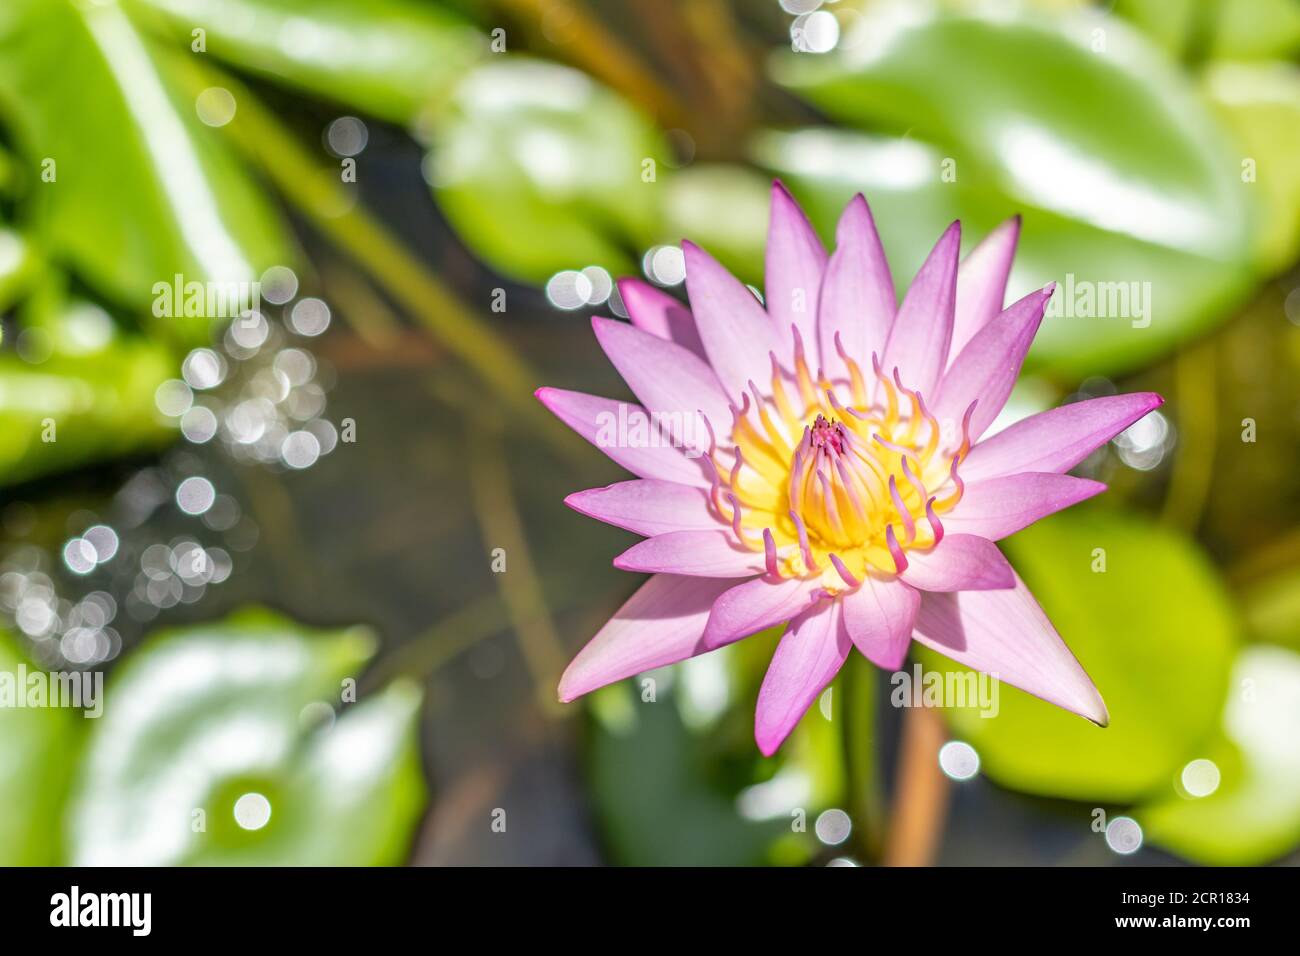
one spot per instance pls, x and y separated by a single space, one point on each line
1154 631
17 267
37 751
388 58
1241 29
1191 30
995 116
7 171
90 398
677 780
656 791
539 169
1271 606
141 190
1173 25
723 208
196 718
1261 103
1253 817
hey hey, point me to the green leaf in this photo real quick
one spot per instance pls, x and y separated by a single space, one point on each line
1261 104
1253 817
1190 30
37 751
1022 112
1154 631
692 748
17 267
539 169
389 58
1172 25
197 718
723 208
1271 607
1254 29
91 400
140 189
667 796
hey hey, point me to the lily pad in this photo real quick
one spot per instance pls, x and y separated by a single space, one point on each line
541 169
126 184
17 265
388 58
208 729
73 409
1219 29
37 748
723 208
689 746
663 795
1252 816
1260 102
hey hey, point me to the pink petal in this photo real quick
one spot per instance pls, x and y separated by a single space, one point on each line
996 507
982 283
670 380
960 562
795 261
655 311
737 334
857 297
750 607
878 617
807 659
647 506
704 554
598 420
1057 439
1006 634
987 368
922 330
660 624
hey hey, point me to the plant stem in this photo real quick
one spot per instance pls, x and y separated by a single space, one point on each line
587 43
502 528
861 743
921 796
367 313
1196 373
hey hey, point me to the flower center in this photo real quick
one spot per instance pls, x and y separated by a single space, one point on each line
827 435
838 477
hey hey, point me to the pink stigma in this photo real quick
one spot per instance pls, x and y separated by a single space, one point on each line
828 434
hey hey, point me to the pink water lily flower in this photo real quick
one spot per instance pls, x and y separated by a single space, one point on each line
820 461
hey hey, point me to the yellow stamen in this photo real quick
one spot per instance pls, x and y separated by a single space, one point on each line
860 467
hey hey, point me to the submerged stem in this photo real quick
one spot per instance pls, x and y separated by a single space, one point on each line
521 591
